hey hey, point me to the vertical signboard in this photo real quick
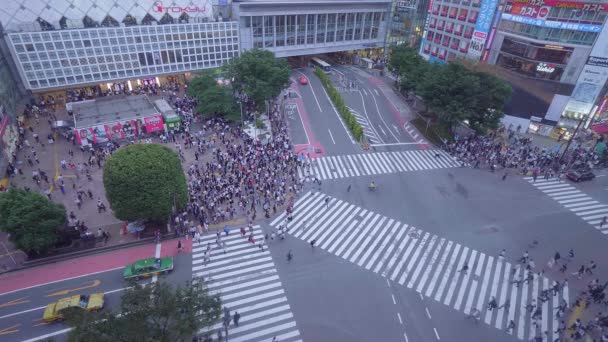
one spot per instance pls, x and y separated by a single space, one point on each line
592 78
482 28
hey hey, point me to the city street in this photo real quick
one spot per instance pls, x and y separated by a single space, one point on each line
405 262
24 295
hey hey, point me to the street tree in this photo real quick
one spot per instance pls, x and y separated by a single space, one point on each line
409 67
492 95
157 312
212 98
145 182
449 91
259 75
31 219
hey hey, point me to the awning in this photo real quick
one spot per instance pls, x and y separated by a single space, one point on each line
601 128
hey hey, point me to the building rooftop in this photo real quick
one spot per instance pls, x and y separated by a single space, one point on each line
111 109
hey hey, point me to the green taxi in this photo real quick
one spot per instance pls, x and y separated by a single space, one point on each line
147 268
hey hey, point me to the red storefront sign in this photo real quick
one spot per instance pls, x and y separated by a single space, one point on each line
154 123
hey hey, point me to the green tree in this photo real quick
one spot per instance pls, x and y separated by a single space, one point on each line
31 220
450 92
157 312
492 95
409 66
145 181
259 75
212 98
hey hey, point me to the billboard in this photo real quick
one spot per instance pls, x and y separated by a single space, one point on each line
551 23
592 78
123 129
534 8
482 28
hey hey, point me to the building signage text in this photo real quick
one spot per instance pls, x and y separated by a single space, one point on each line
544 67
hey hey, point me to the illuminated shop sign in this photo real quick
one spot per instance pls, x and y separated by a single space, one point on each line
545 67
552 24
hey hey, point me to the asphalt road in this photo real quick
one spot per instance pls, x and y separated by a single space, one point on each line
321 116
21 311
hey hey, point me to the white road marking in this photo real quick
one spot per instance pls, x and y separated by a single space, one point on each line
331 135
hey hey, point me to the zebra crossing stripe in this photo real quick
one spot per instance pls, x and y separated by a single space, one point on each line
576 201
247 281
355 165
425 262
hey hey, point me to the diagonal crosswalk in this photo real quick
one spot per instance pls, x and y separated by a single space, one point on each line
571 198
354 165
247 281
427 263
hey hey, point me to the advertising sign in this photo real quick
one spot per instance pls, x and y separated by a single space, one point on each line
537 4
482 28
154 123
552 24
194 8
404 5
100 134
587 89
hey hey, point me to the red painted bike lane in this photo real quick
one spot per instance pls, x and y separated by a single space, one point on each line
312 141
75 268
396 115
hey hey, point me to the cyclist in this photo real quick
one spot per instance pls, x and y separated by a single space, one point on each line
372 186
475 315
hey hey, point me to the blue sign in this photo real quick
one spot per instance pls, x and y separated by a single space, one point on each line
434 59
552 24
485 16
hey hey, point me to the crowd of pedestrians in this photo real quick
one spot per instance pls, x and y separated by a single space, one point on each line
507 150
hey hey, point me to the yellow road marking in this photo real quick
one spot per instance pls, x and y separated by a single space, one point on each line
91 284
10 330
14 302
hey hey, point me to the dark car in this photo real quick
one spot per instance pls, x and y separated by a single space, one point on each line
580 175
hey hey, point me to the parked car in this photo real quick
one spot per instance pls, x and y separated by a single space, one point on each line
147 268
56 311
580 175
303 80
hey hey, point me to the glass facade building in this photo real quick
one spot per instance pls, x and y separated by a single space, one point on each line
313 27
406 23
83 56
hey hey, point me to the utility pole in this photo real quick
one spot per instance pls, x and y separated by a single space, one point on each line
573 136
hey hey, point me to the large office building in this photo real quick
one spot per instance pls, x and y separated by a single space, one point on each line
307 27
550 51
562 46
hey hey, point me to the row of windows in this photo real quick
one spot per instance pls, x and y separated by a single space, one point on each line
473 3
289 30
462 14
124 32
113 75
444 53
166 56
144 60
549 34
576 15
446 40
93 52
50 46
450 26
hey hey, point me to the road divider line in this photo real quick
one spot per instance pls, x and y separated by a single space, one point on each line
313 91
332 136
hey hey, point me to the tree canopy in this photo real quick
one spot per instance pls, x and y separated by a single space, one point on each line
156 312
259 75
144 181
212 98
454 92
31 219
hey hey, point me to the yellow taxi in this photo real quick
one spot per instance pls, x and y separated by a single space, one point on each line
55 311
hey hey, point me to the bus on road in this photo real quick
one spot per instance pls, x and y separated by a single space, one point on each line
321 64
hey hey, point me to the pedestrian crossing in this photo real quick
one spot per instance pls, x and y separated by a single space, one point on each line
429 264
355 165
247 281
571 198
368 129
